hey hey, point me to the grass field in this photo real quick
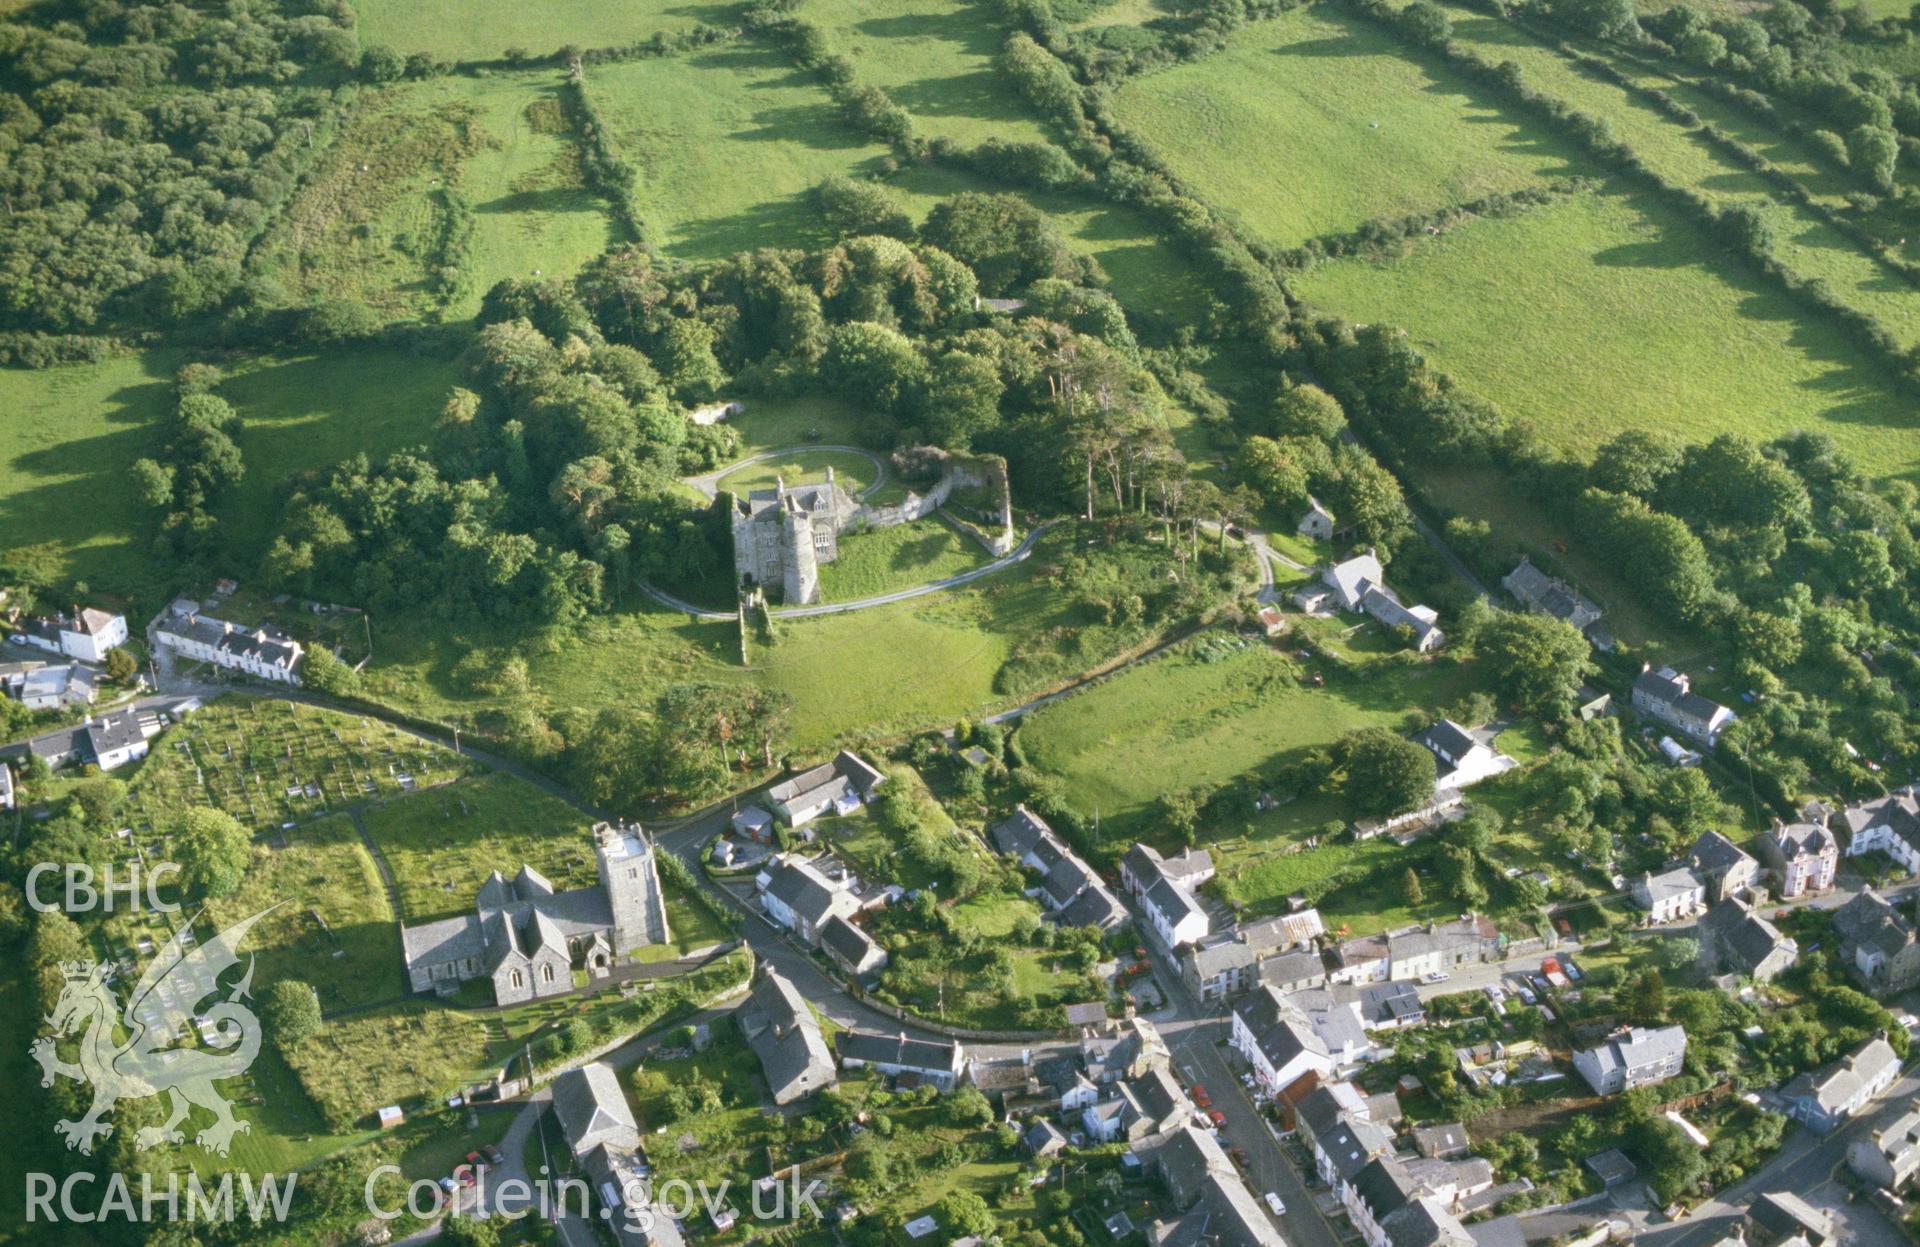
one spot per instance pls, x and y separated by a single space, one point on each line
371 222
1597 313
900 557
728 142
66 509
1151 279
935 59
1275 129
1213 712
868 673
1806 244
485 29
802 467
333 927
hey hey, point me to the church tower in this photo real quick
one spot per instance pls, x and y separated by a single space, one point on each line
631 880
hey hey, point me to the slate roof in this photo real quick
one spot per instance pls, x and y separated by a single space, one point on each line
1277 1028
1798 840
927 1055
1353 1143
1834 1086
114 731
1638 1046
1016 834
1449 1137
1424 1222
1652 890
848 772
1744 937
847 940
592 1109
1352 578
1299 966
1385 1186
1783 1213
1447 741
1714 854
784 1034
798 885
1095 907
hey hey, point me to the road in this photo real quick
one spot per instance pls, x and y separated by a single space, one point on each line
1195 1034
1019 554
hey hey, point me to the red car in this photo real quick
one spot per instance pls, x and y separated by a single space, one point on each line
476 1161
1240 1154
463 1174
1201 1097
1217 1117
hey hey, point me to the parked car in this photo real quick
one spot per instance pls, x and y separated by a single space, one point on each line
464 1175
493 1154
1239 1154
1217 1117
1435 976
1200 1096
1526 994
1573 972
449 1186
477 1162
1273 1202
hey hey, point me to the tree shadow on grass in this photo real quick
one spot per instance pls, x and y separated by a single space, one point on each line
818 126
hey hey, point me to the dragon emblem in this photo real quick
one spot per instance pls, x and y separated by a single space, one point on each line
164 1007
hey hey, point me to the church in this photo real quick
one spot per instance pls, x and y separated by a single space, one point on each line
528 939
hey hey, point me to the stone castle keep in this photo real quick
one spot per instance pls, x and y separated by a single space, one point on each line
782 535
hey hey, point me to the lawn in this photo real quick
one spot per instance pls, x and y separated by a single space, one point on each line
485 29
441 844
1315 122
1597 313
397 1055
1189 718
888 559
802 467
728 142
935 59
777 423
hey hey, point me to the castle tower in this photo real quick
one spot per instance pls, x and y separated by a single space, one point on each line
631 881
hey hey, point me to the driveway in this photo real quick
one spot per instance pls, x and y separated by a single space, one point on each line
708 483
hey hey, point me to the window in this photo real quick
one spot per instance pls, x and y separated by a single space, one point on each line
546 974
518 980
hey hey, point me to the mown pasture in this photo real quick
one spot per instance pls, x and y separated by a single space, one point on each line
1316 122
727 141
1604 312
1805 243
934 58
485 29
